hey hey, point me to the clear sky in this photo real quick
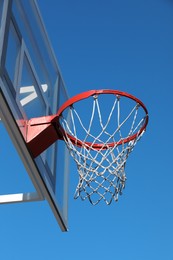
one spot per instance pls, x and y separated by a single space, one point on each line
125 45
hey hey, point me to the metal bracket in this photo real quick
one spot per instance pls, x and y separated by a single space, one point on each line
20 197
41 133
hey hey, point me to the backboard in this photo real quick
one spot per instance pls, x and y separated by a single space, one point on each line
31 85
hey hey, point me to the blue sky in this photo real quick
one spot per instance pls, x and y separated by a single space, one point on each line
125 45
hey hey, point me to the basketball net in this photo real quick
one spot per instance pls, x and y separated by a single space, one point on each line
101 168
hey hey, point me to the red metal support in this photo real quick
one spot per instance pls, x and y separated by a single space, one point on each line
44 131
41 133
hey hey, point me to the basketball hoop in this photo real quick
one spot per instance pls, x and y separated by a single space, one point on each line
100 137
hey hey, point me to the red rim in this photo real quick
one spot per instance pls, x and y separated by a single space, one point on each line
90 93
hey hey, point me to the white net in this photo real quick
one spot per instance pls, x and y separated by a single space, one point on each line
103 131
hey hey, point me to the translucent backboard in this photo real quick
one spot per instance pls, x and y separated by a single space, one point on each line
31 85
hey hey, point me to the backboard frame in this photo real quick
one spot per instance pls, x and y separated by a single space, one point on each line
43 186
